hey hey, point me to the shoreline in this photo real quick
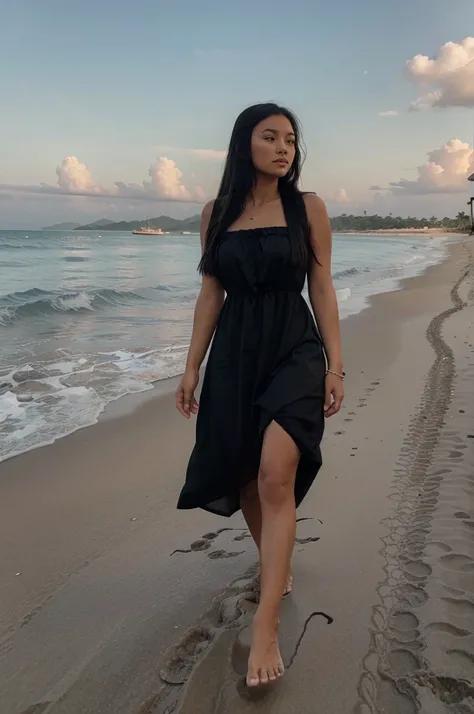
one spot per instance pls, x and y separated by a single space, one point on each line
122 606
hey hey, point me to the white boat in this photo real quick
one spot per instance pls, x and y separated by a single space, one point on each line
149 231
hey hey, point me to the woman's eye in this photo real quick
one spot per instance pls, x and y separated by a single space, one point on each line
269 138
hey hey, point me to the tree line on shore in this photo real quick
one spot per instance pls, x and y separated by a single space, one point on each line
346 222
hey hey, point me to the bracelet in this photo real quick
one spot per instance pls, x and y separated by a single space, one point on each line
338 374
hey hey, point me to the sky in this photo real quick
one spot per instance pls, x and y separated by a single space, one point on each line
124 109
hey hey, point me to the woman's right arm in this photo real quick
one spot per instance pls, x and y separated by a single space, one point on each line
206 314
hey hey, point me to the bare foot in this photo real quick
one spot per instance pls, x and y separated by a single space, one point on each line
288 585
265 662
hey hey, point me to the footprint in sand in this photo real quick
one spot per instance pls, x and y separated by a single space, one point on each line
418 568
458 561
447 628
402 662
183 657
404 621
242 536
461 607
218 554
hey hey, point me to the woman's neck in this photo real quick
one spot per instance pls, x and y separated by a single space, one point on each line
264 191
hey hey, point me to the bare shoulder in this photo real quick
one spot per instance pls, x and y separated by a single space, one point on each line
205 219
315 208
320 231
207 210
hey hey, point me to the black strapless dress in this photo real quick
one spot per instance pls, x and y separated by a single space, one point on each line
266 364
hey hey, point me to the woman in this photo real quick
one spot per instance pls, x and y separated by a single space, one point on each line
271 376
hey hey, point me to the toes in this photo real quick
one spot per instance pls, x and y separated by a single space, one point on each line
281 669
253 680
272 675
264 678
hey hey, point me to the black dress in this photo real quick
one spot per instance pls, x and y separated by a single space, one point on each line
266 364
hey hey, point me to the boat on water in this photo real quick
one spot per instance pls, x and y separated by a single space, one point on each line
149 231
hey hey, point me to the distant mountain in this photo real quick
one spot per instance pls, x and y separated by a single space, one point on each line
102 223
166 223
61 227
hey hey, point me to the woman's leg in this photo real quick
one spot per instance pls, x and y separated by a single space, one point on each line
276 480
252 512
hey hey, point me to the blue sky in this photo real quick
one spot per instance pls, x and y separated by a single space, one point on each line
122 86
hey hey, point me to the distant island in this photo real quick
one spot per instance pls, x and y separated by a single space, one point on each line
75 226
345 223
166 223
61 227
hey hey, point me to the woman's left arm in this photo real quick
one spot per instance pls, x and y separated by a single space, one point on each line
324 301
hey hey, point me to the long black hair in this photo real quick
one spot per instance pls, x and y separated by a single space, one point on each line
239 179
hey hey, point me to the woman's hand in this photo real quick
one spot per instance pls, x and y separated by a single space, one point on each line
334 394
186 404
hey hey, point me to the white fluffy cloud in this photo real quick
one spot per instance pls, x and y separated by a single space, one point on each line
449 77
446 171
165 183
75 179
74 176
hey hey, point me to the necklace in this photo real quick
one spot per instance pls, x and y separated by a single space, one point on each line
251 218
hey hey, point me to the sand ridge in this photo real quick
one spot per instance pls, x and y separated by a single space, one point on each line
421 659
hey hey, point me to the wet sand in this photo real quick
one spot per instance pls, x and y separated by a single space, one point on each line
114 602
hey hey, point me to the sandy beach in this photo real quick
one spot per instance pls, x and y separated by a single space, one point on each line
113 602
431 232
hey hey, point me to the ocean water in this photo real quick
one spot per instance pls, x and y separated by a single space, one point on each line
86 318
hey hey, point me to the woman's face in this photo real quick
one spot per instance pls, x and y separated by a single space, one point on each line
273 146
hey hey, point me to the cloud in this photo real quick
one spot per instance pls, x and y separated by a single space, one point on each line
75 179
376 188
211 154
446 171
6 197
74 176
341 196
389 113
450 76
165 183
